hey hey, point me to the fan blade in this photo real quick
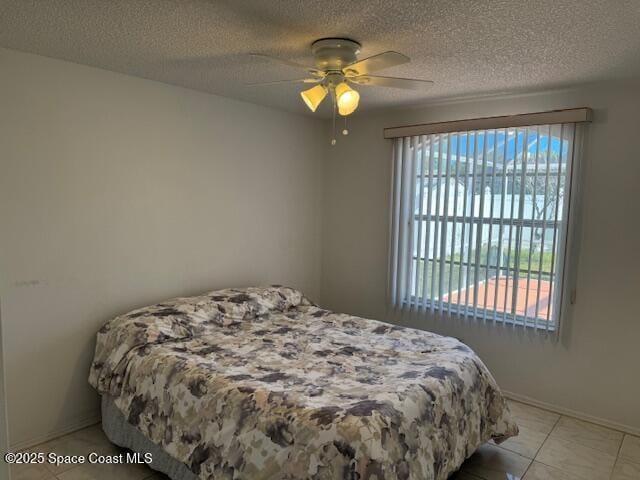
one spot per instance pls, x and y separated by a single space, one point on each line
278 82
284 61
375 63
406 83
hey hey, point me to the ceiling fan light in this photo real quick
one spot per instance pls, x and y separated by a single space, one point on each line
347 99
314 96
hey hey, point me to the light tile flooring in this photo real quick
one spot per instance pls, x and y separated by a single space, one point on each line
549 447
555 447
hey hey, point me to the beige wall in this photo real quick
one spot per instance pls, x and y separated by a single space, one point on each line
595 370
116 192
4 432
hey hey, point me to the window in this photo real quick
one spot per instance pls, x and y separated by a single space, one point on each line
480 222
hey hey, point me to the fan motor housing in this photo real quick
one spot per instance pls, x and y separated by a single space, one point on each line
334 53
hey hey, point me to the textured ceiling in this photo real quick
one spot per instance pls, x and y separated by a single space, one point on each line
466 47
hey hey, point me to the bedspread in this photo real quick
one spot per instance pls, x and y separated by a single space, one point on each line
259 383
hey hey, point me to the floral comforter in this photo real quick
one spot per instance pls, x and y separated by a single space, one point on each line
259 383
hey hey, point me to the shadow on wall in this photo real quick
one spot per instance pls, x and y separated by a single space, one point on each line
4 434
90 413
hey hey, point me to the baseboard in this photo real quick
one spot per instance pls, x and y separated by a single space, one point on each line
572 413
70 428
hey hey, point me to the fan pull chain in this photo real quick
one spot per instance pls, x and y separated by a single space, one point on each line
333 128
345 131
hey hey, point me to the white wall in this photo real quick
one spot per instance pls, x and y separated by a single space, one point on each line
595 369
117 192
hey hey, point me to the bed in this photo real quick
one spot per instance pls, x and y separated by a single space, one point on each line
260 383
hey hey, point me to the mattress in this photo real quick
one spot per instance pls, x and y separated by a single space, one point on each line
120 432
260 383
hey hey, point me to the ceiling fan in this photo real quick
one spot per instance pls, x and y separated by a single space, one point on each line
337 68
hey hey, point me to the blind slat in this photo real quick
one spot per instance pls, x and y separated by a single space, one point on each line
436 229
490 222
395 221
445 224
511 226
454 226
463 237
568 252
411 189
404 207
427 235
501 227
555 217
472 202
420 215
480 227
563 231
518 246
544 218
534 208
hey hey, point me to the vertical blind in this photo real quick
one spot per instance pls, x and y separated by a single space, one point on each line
479 223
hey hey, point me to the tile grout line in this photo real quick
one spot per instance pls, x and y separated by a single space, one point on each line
56 475
46 466
561 469
548 435
541 445
617 456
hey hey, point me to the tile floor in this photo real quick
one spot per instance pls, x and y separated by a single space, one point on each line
549 447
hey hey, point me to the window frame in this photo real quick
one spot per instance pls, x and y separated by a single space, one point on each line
564 267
